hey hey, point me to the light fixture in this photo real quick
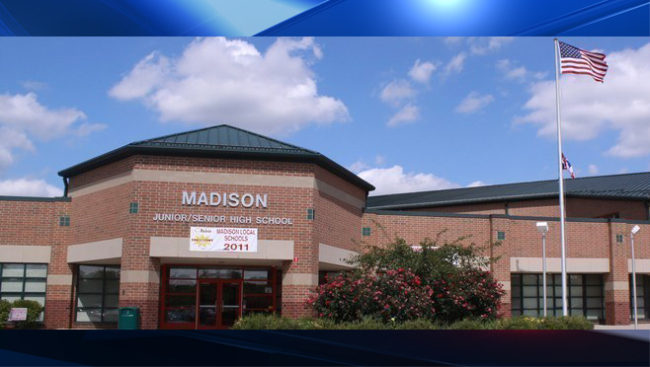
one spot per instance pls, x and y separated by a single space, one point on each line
636 229
542 227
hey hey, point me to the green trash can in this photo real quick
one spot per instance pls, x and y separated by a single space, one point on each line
129 318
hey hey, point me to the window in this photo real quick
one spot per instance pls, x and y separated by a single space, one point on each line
258 291
133 208
501 235
585 295
619 238
23 281
64 221
310 214
642 295
97 293
365 231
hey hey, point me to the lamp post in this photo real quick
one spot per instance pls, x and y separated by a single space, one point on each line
542 227
634 231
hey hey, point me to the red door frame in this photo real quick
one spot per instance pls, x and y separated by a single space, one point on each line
219 301
165 280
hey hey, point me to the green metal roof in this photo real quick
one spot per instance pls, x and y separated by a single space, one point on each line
222 141
635 186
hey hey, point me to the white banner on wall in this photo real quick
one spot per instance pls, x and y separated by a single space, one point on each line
223 239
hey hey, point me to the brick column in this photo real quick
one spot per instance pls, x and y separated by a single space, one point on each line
140 281
501 269
617 288
59 302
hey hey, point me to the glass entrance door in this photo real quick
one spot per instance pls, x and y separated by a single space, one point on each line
219 304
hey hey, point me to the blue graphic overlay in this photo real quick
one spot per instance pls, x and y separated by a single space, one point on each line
324 18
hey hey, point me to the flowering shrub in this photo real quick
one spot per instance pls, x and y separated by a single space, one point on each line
393 296
395 284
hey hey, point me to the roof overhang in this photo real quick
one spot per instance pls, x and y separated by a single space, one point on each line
130 150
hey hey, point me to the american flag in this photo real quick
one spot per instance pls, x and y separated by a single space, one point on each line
567 166
576 61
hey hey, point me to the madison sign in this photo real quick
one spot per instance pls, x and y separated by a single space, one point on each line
225 199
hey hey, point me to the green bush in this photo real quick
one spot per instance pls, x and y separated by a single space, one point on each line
34 310
419 324
273 322
265 322
567 323
5 306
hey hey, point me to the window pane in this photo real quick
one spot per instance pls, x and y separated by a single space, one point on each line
516 312
220 273
89 315
13 270
530 313
594 302
594 291
594 314
258 302
530 292
180 315
111 301
91 286
182 286
36 271
112 285
180 301
35 286
182 273
37 298
88 271
593 279
10 297
10 285
112 272
257 287
575 291
89 300
529 279
110 315
576 303
575 279
576 312
530 303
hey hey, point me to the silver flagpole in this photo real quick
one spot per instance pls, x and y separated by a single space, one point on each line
561 178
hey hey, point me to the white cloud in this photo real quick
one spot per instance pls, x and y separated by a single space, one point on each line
396 92
23 117
519 73
474 102
28 187
217 80
453 40
358 166
421 72
477 184
380 160
33 85
455 65
622 104
394 180
593 169
407 114
483 45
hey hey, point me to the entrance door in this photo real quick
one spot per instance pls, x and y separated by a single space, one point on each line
219 304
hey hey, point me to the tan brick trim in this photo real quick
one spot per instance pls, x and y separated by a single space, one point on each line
59 279
334 256
95 251
179 247
505 284
139 276
300 279
25 254
553 265
218 178
617 286
642 265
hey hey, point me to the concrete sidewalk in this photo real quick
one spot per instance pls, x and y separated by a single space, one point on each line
644 326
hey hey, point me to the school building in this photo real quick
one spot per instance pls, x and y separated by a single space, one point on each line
199 228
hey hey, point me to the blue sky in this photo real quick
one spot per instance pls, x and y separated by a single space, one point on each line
404 113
